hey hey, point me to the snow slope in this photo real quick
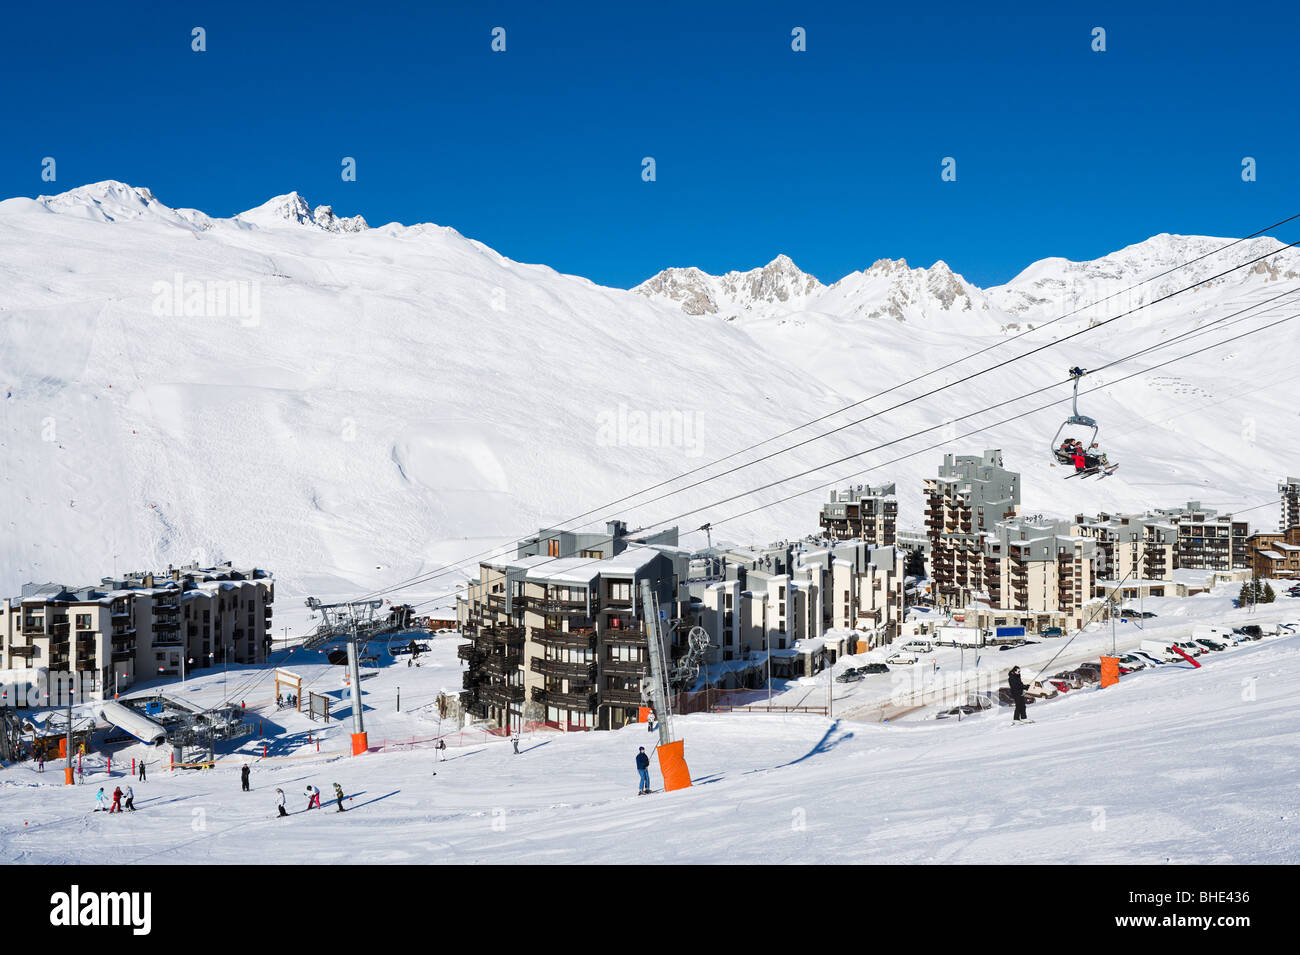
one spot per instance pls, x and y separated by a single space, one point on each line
350 405
1171 766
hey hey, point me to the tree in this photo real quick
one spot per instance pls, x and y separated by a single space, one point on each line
1246 594
1268 596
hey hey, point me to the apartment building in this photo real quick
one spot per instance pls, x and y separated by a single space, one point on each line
1289 492
1206 539
140 626
964 502
560 637
1039 568
1276 554
862 512
752 601
86 631
1130 546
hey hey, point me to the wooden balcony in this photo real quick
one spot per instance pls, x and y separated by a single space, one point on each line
500 694
634 668
572 639
584 700
501 664
563 670
622 697
628 636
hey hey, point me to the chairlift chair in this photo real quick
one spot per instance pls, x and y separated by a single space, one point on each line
1062 456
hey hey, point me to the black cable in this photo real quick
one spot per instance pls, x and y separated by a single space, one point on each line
944 442
448 568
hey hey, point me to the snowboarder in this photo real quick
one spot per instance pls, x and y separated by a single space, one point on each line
1018 696
100 800
129 799
142 771
117 800
243 776
643 769
313 797
279 803
338 796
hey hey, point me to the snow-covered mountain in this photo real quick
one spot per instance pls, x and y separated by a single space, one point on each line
351 405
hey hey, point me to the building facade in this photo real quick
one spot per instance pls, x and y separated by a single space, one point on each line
862 512
562 638
1289 491
964 502
140 626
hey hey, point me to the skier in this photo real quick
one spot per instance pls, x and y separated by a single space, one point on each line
279 803
514 740
40 765
142 779
313 797
100 800
129 799
643 769
338 796
243 776
1018 696
117 800
442 750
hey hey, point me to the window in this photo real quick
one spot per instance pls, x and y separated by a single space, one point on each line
553 548
83 621
593 554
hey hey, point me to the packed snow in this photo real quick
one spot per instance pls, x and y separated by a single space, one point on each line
1172 765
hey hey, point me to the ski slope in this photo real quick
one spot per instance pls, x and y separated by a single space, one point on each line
1174 766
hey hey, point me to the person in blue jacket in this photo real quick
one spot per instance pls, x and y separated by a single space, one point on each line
643 768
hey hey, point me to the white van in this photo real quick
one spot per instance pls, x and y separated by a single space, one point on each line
1208 630
1160 649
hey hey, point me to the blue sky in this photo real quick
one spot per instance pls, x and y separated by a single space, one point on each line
831 156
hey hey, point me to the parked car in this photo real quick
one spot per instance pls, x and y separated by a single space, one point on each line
1152 660
973 705
1005 698
1012 645
1210 643
851 675
1090 667
1041 691
1052 632
901 658
918 646
1132 662
873 668
1250 630
1138 614
1072 677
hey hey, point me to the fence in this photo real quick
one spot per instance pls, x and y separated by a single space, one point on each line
734 701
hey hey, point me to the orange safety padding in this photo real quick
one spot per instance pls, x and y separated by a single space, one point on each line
359 744
1109 671
63 747
643 715
672 765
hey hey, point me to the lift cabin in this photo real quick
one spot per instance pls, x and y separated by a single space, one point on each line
1075 443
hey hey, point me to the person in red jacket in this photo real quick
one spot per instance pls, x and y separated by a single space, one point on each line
117 800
